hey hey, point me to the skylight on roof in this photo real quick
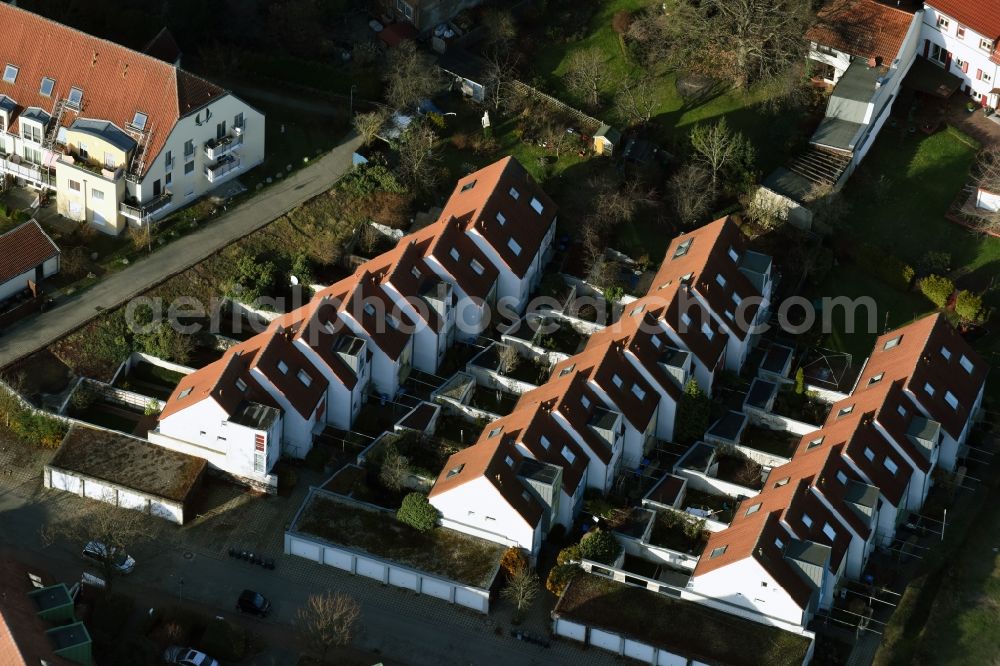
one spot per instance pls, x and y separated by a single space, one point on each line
75 97
568 369
10 74
139 120
46 86
185 393
683 248
716 552
468 186
892 343
496 431
455 470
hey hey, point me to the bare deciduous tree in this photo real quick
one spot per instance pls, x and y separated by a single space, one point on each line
499 24
719 148
369 125
368 237
117 528
142 236
410 76
507 358
499 73
418 157
328 621
587 74
522 588
692 193
764 209
394 470
744 41
636 100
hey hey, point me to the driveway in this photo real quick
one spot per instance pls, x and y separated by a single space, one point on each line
399 626
68 315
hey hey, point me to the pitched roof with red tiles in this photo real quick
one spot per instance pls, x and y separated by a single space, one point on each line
410 275
447 235
24 248
861 28
699 258
641 335
488 458
116 82
369 305
930 351
318 325
483 201
668 305
983 16
23 641
289 371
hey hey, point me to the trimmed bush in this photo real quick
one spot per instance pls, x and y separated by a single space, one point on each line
559 578
568 555
969 307
937 289
513 560
418 513
886 267
599 546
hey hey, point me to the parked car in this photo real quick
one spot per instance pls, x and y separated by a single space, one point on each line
176 654
254 603
95 551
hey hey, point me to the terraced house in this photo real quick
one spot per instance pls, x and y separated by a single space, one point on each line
118 136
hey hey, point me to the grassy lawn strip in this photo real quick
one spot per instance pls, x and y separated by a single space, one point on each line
682 627
443 552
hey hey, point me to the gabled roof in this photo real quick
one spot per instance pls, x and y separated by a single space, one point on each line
916 355
366 301
23 641
22 249
488 459
861 28
318 325
668 303
641 335
116 82
699 258
289 371
447 235
983 16
410 275
479 198
617 378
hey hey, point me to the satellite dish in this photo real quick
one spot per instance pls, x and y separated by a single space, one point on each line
294 280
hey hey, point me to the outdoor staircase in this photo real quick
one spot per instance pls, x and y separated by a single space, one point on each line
823 167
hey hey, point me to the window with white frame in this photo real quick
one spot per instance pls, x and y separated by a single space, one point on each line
965 363
96 194
10 74
717 552
75 97
890 465
31 132
515 247
404 8
988 78
943 23
139 120
32 155
189 148
844 411
876 379
46 86
950 398
110 161
889 344
830 533
74 185
960 32
753 509
986 44
537 205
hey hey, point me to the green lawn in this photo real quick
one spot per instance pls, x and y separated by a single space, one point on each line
774 133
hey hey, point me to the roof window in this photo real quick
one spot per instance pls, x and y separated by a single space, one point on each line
185 393
46 86
75 97
10 74
454 471
537 205
139 120
716 552
889 344
683 248
468 186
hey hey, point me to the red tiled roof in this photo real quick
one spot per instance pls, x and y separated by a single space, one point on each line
116 81
983 16
446 235
24 248
918 360
862 28
480 196
300 382
23 641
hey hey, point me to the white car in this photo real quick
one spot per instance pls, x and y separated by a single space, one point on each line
187 657
95 552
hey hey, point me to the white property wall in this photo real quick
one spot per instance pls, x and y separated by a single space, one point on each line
386 572
84 486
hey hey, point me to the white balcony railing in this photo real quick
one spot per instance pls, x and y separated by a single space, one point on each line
141 211
225 165
221 147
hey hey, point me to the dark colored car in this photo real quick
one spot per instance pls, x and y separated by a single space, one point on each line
253 603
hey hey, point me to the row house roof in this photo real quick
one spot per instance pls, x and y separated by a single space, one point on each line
983 16
23 248
115 83
861 28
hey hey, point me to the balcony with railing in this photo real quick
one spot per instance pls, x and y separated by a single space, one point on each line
223 167
217 148
86 164
134 210
17 166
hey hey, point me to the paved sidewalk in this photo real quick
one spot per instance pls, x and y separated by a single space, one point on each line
39 331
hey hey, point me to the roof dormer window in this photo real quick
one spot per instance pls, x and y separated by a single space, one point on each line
139 120
496 431
10 74
468 186
568 369
814 443
876 379
844 411
46 86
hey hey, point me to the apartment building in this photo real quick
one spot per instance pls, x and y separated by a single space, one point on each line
121 138
963 37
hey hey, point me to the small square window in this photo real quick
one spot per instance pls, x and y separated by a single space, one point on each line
544 441
477 267
46 86
845 411
950 398
901 411
585 401
496 431
683 248
806 520
733 254
841 477
96 194
869 454
509 461
616 380
186 392
568 369
891 466
706 329
736 298
946 353
929 389
753 509
778 543
415 272
876 379
537 205
74 185
637 311
75 97
189 167
241 385
455 470
305 378
781 482
830 533
966 364
720 280
814 443
638 392
468 186
568 455
10 74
